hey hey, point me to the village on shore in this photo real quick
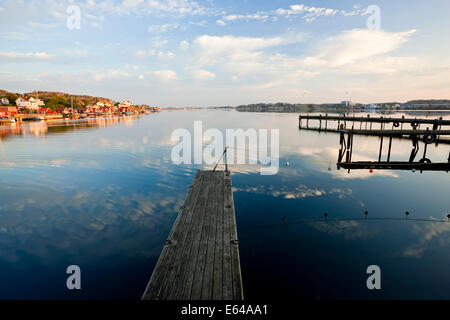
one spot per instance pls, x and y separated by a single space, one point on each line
29 108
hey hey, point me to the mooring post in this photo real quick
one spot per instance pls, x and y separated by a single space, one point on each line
351 147
381 149
389 151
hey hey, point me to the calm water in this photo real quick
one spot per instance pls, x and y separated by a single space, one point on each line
103 194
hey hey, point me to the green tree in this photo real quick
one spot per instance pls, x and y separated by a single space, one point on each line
57 102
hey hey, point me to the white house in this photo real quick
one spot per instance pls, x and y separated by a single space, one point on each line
29 103
125 104
5 101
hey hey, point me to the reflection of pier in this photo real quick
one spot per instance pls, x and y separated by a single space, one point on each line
200 259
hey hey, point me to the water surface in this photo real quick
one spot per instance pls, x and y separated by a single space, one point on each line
103 194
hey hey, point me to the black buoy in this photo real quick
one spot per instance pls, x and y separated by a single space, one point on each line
407 214
284 218
366 213
448 217
325 215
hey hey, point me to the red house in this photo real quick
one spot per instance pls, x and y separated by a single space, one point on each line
63 110
125 109
45 111
7 111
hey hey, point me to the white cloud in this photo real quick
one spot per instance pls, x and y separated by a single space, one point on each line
310 13
203 75
159 42
357 44
213 48
184 45
166 55
221 23
260 16
25 57
163 27
165 75
132 3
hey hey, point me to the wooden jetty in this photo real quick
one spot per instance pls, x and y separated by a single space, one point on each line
347 125
344 119
200 259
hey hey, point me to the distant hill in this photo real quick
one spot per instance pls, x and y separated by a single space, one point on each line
428 104
56 99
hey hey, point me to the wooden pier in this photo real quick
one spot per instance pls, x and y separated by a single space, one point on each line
200 259
347 125
344 119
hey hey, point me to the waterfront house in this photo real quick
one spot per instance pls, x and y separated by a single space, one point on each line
127 110
8 111
63 110
5 101
29 103
45 111
125 104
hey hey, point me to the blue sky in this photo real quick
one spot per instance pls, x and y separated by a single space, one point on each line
205 53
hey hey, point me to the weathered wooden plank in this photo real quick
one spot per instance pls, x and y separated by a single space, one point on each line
189 241
210 251
227 275
238 293
196 293
217 291
154 285
191 267
174 272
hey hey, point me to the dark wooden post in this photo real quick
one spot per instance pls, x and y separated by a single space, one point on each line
389 151
381 149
